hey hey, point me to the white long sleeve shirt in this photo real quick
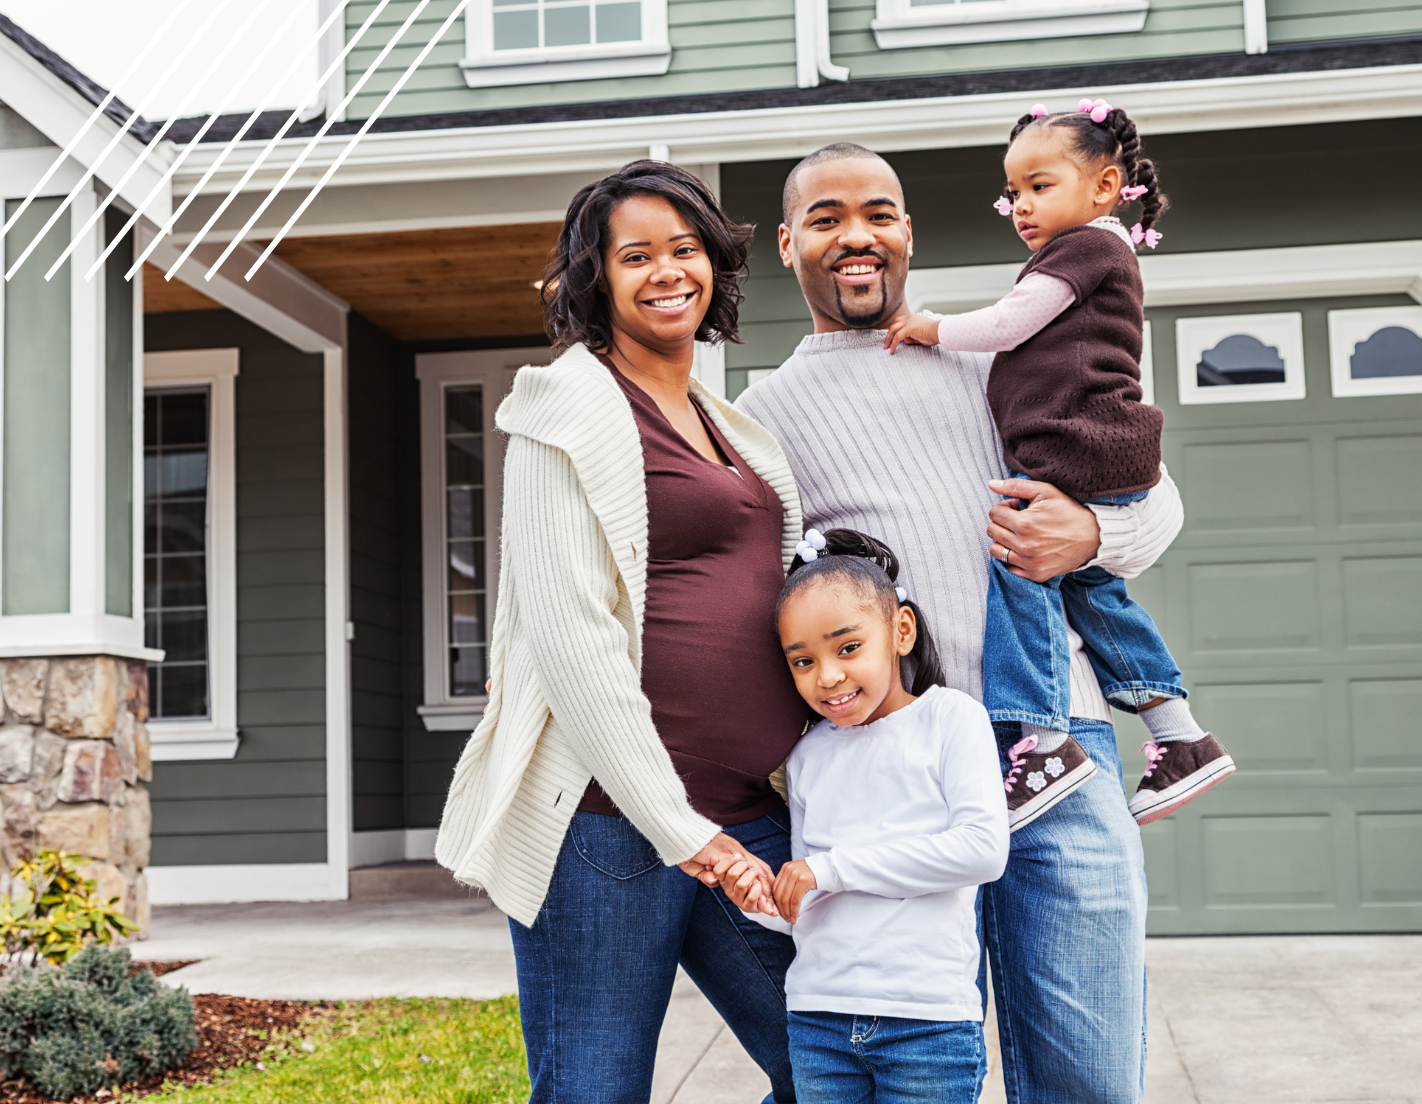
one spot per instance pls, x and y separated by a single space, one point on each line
900 820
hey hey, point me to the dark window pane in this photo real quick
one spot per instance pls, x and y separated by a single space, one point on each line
466 619
464 408
1392 351
466 514
466 672
150 527
466 566
182 527
182 690
150 637
181 474
184 418
183 581
150 420
1239 359
184 635
150 582
464 460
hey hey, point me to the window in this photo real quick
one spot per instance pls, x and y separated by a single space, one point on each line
531 41
907 23
1375 351
1242 358
461 467
189 552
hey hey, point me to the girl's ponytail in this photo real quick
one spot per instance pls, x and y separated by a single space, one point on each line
870 565
1139 171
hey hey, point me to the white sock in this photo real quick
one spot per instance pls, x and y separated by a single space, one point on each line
1048 739
1172 720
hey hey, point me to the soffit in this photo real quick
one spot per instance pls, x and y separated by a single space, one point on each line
162 296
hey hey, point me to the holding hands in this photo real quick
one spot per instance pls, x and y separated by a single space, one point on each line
743 886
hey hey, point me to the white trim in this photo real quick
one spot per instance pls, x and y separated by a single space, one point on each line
217 370
1243 275
1147 365
332 43
1256 27
338 648
940 122
1282 332
494 369
391 846
243 882
484 67
1347 328
708 364
899 24
807 45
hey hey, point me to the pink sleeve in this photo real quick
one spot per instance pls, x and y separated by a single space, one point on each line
1019 314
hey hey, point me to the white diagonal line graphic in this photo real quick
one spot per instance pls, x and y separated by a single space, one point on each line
311 145
92 119
173 117
257 163
336 164
211 119
114 141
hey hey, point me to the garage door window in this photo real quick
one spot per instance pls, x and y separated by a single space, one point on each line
1240 358
1376 351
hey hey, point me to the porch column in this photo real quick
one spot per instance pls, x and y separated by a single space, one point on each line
73 665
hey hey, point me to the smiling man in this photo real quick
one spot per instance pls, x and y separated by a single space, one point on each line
904 448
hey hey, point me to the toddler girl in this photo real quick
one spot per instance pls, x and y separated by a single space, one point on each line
1065 392
897 815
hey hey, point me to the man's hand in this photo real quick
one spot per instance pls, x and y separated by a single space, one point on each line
1055 534
794 881
724 851
916 329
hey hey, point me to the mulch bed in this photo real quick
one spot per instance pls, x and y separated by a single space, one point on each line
231 1031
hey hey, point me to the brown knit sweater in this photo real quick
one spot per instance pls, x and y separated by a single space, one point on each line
1067 400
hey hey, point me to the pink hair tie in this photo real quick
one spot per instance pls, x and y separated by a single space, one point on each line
1039 110
1151 238
1134 192
1003 205
1097 109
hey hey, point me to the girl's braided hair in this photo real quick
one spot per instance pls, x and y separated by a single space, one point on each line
871 567
1115 140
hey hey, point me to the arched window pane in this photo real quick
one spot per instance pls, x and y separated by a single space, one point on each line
1239 359
1390 352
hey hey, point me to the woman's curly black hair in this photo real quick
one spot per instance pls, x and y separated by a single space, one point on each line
870 566
1114 141
575 306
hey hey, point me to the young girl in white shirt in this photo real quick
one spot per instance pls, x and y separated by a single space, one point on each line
897 815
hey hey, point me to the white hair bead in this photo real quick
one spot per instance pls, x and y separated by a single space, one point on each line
902 593
815 539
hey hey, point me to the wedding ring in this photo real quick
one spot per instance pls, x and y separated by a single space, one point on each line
1005 553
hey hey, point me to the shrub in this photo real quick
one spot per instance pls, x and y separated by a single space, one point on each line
90 1023
56 913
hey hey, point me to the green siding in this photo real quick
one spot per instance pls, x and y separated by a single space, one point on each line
118 423
268 805
1330 21
717 46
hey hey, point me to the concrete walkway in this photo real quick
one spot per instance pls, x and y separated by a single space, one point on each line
1246 1020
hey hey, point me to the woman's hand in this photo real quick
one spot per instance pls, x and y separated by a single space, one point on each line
747 886
796 879
723 853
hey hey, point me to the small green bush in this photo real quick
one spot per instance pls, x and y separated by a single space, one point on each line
90 1023
56 912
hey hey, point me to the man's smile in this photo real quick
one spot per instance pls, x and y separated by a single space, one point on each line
858 270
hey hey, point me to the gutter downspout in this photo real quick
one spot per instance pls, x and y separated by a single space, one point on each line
1256 27
812 45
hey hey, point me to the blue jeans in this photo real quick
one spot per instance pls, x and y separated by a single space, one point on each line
1064 929
1026 659
844 1059
595 971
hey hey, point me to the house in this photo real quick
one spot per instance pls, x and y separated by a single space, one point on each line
313 450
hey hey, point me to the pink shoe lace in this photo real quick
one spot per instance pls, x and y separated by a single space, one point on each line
1015 754
1154 753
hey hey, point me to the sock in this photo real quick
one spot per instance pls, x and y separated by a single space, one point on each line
1048 739
1172 720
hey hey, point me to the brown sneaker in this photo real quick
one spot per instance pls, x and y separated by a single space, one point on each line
1036 780
1178 772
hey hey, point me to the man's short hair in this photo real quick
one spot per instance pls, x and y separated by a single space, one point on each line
838 151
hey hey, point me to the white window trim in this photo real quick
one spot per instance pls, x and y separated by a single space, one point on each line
483 67
1348 327
1283 331
899 25
217 736
1147 365
494 369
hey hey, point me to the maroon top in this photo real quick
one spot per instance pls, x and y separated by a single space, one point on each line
722 697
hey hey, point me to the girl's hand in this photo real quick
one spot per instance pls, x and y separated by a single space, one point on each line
794 881
745 886
723 851
916 329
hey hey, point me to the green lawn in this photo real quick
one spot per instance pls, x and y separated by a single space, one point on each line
386 1052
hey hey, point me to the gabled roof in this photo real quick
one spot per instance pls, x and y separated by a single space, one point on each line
117 110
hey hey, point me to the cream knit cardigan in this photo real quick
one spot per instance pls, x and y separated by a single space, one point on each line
567 702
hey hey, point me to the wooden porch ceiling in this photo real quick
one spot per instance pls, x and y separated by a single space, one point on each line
423 285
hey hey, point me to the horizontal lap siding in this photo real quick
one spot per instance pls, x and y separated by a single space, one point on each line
717 46
1331 21
268 805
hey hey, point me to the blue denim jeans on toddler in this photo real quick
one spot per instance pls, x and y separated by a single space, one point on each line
595 971
1026 657
845 1059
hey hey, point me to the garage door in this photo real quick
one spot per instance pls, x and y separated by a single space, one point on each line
1293 601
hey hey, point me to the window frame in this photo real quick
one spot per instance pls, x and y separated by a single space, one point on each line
1349 326
898 24
484 67
1194 335
494 370
217 735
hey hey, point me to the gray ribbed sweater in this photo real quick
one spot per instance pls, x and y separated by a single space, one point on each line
901 447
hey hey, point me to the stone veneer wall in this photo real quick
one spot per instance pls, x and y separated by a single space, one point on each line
74 757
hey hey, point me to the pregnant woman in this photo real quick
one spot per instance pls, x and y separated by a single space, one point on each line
639 699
